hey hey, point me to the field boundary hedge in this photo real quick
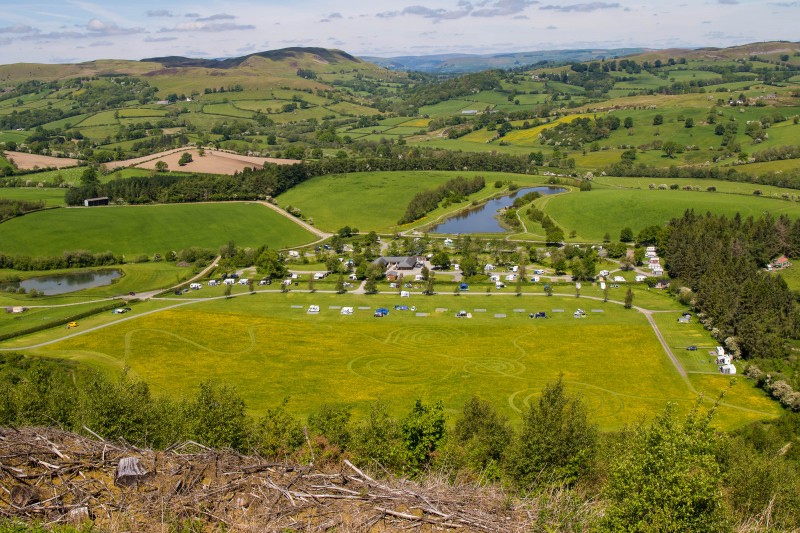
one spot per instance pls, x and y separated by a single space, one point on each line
59 322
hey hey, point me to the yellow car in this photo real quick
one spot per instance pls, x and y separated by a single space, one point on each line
72 325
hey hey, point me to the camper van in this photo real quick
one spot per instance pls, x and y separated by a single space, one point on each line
195 286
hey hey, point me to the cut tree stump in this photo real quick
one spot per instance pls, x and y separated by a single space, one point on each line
130 472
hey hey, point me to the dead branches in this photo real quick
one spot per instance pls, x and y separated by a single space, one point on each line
58 477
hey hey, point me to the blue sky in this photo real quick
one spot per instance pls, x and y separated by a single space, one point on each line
49 31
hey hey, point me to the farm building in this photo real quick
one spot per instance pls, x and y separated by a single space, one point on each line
397 263
92 202
781 262
392 275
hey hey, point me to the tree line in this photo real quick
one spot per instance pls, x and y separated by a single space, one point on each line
721 261
10 208
453 191
685 476
273 180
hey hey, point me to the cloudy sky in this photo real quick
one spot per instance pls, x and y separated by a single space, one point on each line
50 31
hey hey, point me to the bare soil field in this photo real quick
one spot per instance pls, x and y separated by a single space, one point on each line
212 162
30 161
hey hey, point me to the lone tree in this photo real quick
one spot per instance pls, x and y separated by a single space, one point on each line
371 286
670 148
429 290
557 444
628 298
340 284
186 157
161 166
626 235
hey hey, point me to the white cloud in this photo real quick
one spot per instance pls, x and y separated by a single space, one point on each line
98 27
19 28
218 16
502 8
581 8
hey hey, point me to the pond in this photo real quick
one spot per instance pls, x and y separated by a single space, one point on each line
64 283
482 219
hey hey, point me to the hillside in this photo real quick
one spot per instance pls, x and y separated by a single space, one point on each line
462 63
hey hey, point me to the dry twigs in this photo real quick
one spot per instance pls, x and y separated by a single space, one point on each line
58 477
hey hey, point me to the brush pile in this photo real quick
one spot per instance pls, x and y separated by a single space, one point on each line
54 477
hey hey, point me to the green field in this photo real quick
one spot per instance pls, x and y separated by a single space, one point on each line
52 197
377 200
149 229
271 349
594 213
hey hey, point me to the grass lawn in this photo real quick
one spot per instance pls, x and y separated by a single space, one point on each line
149 229
376 200
270 349
594 213
52 197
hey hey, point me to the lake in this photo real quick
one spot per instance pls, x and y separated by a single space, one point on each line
64 283
482 219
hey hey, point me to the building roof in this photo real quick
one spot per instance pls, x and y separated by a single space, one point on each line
403 262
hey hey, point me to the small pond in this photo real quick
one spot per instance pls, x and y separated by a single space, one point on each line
482 219
64 283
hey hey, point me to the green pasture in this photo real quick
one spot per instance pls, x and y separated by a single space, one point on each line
228 110
723 187
592 214
15 136
52 197
101 119
149 229
71 175
377 200
271 349
136 277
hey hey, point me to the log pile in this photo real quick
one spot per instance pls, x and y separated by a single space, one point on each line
54 477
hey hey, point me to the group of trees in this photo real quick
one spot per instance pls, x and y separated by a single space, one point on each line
672 474
15 208
722 261
272 180
453 191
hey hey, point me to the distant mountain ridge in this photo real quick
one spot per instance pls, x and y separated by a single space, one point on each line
461 63
324 54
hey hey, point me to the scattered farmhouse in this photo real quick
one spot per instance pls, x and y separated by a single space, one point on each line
92 202
781 262
397 262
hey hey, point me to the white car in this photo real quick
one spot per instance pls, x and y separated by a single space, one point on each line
313 309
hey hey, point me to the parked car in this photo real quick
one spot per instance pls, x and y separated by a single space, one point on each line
692 348
72 325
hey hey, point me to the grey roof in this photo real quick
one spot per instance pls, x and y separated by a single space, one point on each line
403 262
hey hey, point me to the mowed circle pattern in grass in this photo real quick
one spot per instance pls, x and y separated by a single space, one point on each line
592 214
270 349
149 229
